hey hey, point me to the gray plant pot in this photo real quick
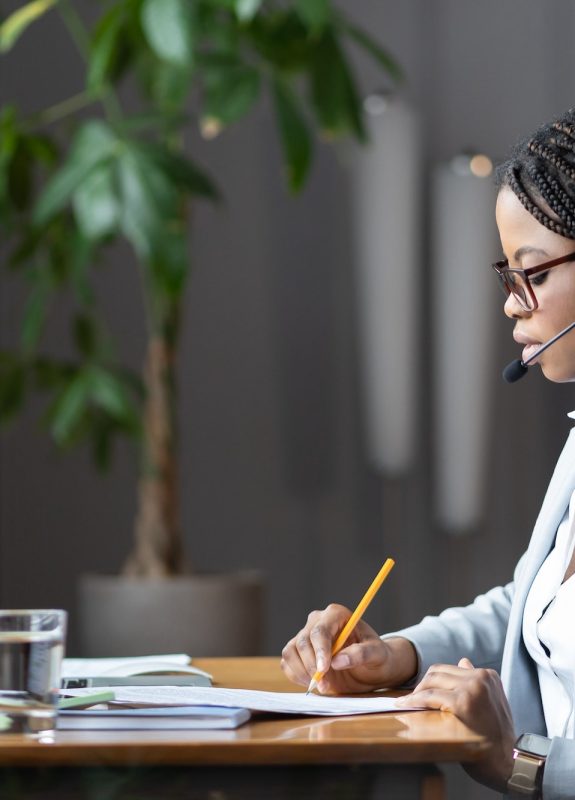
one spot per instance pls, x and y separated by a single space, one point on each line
202 615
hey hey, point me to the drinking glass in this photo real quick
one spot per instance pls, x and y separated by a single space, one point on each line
31 652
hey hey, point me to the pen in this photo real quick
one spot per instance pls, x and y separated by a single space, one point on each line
355 617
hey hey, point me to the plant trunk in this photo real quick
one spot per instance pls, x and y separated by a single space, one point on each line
158 547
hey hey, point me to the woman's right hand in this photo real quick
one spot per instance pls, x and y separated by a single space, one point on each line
365 663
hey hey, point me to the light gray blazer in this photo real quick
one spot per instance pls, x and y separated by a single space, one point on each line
489 633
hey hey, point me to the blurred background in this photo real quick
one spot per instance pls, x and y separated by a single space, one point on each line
280 468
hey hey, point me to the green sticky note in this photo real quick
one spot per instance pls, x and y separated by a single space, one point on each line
86 700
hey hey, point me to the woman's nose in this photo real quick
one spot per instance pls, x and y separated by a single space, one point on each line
513 308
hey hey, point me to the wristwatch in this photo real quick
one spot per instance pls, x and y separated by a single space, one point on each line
529 755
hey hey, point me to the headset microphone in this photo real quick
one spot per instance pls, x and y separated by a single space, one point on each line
517 369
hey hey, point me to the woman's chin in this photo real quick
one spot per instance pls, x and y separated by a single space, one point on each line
558 373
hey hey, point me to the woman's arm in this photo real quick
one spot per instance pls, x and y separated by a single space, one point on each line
476 631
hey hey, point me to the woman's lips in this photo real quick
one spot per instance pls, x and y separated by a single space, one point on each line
528 351
530 346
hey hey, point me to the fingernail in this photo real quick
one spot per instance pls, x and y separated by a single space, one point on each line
340 662
323 686
321 663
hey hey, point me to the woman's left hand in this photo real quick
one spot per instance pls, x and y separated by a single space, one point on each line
477 698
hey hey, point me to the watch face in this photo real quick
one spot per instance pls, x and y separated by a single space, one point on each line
533 743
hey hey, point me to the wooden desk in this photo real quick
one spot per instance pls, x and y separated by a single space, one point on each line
390 756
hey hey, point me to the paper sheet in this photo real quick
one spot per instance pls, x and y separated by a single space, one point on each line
276 702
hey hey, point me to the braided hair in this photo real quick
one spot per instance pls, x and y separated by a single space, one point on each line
541 173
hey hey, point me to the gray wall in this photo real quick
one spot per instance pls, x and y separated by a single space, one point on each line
273 470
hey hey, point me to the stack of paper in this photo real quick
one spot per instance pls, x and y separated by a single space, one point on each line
173 707
100 678
276 702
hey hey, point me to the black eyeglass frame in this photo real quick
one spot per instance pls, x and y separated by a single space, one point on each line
502 268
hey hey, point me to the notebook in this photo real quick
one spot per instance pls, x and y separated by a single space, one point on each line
173 719
178 663
158 670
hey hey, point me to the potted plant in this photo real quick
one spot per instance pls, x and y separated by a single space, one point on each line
112 163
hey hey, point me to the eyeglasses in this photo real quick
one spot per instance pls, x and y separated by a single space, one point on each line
518 281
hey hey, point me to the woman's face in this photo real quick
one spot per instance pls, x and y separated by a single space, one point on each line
526 243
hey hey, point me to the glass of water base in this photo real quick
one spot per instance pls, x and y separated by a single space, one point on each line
31 652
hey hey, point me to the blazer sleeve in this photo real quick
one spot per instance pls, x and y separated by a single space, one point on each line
476 631
559 773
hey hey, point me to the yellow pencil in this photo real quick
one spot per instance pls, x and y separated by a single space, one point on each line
355 617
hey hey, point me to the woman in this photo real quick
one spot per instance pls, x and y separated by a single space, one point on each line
523 632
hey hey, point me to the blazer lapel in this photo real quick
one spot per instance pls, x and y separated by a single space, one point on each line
518 673
552 511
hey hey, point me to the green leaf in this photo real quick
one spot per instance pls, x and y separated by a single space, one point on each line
58 190
334 94
373 49
42 148
9 138
101 433
85 335
109 51
102 430
171 262
8 130
181 171
229 5
93 143
95 203
66 413
64 253
28 243
21 155
20 176
169 28
35 312
49 374
81 259
109 394
247 9
282 40
151 182
294 134
229 94
169 85
315 14
147 199
13 382
220 30
15 25
10 142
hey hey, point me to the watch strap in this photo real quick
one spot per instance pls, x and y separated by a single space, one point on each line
527 775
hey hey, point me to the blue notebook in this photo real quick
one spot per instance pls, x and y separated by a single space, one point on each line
173 718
